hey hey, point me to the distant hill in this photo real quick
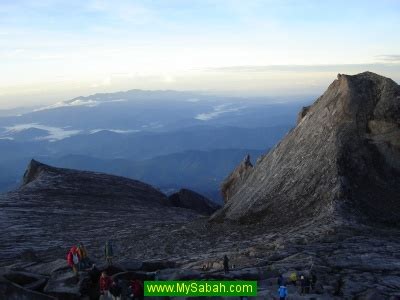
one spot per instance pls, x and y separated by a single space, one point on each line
107 132
201 171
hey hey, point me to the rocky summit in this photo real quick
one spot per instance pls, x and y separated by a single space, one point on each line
341 161
324 203
55 207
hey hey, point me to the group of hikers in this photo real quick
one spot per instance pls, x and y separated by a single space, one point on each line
305 283
78 260
116 289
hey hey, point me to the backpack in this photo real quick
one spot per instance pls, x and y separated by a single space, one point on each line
75 258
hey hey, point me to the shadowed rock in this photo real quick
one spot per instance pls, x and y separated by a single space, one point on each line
11 291
233 182
194 201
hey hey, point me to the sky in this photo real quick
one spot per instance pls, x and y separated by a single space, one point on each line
57 50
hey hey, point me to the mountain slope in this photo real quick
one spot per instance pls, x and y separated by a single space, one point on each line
55 208
342 160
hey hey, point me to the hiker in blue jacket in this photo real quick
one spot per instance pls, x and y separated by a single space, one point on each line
282 291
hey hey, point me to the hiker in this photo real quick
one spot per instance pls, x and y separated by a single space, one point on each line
313 281
226 264
136 289
73 259
302 285
109 252
84 261
281 280
116 290
293 278
282 292
105 285
94 273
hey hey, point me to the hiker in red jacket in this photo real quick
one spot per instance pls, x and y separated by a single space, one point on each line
105 284
137 289
73 259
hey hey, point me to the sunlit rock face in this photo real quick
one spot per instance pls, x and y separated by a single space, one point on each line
342 160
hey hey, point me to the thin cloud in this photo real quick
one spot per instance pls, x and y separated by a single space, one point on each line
394 58
303 68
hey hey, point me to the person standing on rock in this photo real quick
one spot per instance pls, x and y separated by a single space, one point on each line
84 259
109 252
116 290
105 285
293 278
73 259
226 264
282 292
302 285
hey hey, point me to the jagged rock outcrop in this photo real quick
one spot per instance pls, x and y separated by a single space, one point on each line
191 200
33 171
302 113
233 182
342 161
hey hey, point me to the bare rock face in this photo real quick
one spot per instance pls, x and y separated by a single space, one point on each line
342 161
56 208
194 201
233 182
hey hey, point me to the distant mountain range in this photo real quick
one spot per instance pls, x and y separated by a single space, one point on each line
162 137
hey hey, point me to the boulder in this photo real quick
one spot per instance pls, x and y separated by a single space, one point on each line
29 256
178 274
131 265
155 265
27 280
130 275
191 200
46 268
12 291
65 285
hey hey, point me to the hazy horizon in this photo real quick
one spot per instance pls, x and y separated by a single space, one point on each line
57 50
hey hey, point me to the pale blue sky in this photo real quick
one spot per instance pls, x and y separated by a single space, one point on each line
53 50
